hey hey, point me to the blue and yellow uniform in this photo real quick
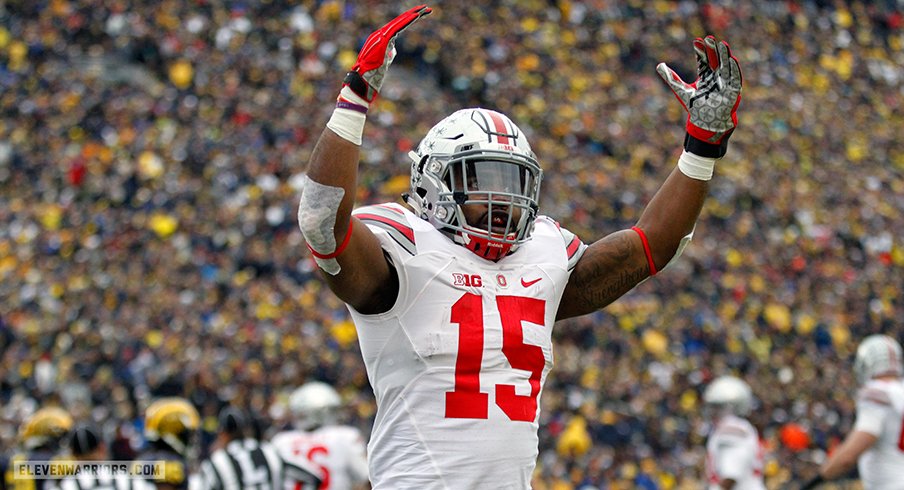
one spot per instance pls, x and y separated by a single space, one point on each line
170 426
40 439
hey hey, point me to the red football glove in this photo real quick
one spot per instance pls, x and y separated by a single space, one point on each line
366 77
712 100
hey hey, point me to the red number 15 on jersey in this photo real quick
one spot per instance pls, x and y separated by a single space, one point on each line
466 400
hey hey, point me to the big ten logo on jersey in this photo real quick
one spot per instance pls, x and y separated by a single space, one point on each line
467 280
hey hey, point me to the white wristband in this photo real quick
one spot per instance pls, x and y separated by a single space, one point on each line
348 124
695 166
349 116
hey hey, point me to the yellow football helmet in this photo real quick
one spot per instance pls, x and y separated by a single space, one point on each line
45 426
172 420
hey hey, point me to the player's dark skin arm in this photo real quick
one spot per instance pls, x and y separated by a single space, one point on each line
366 282
616 263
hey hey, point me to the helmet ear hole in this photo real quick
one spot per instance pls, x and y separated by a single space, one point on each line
420 165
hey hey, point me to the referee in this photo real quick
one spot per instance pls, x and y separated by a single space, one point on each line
86 444
242 462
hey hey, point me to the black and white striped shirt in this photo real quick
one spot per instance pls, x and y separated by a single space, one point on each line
106 482
247 464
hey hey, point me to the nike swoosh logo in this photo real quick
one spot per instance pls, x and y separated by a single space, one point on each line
528 284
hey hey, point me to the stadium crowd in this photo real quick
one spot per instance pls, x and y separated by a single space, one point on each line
151 155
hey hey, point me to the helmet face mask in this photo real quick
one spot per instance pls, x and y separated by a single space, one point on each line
878 355
476 164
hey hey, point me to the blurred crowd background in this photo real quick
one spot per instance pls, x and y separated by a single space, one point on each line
151 155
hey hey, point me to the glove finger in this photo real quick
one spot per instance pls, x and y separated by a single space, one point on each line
700 52
678 86
378 44
422 11
395 26
735 78
402 22
671 77
722 50
731 70
712 56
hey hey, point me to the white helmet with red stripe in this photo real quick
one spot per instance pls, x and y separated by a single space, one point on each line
314 404
480 157
729 394
878 355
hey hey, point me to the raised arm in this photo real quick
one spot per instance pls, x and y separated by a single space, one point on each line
356 269
616 263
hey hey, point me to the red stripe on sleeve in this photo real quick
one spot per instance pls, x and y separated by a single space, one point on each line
389 207
408 232
573 246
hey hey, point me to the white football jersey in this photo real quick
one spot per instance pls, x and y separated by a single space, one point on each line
338 451
458 363
734 451
880 409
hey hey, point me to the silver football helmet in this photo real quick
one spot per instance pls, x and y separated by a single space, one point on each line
731 394
314 404
477 156
878 355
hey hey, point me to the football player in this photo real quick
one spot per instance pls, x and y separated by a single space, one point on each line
337 450
876 442
40 439
734 455
171 429
454 296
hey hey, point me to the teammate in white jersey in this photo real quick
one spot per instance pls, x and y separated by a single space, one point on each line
876 442
734 455
454 297
338 451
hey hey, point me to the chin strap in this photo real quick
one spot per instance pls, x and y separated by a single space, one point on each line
486 248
